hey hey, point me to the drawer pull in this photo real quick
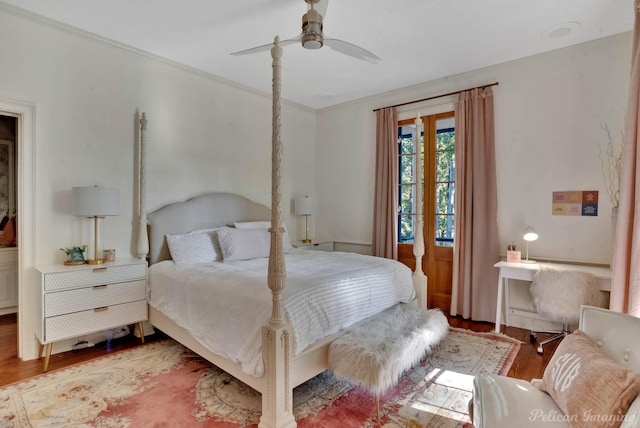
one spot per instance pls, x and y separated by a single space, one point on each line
102 269
102 309
99 287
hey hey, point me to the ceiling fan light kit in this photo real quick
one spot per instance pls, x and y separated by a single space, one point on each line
311 41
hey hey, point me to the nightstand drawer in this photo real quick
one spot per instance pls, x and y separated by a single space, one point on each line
81 299
99 275
91 321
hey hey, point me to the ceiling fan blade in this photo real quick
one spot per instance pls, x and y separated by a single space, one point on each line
267 47
351 50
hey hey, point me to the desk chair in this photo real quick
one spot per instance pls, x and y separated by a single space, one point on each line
557 296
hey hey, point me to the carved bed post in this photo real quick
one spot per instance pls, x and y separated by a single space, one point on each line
143 240
419 278
277 398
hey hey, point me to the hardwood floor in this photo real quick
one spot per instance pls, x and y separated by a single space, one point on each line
14 370
528 364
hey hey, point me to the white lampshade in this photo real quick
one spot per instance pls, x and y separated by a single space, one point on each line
95 201
304 205
530 234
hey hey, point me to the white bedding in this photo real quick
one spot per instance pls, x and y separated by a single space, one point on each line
225 305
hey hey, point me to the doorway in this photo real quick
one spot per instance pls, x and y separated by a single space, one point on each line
436 177
8 237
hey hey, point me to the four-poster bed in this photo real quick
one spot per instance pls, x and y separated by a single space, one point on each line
284 366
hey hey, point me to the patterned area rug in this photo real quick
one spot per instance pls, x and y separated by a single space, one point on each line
163 384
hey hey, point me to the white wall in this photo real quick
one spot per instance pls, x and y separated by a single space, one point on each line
203 134
549 110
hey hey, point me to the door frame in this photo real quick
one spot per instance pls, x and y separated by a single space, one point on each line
25 149
434 256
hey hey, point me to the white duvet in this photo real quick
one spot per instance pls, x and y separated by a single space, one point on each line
225 305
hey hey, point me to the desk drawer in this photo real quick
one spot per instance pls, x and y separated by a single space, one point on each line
97 276
91 321
517 273
81 299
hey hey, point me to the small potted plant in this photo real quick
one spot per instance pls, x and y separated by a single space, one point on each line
75 255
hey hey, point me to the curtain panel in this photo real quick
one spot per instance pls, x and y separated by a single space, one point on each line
385 215
625 280
476 243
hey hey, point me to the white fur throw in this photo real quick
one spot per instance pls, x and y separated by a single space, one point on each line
377 351
558 294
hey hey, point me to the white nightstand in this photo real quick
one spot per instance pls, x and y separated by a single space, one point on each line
316 245
80 300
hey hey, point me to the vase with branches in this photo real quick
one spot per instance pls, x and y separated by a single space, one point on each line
611 165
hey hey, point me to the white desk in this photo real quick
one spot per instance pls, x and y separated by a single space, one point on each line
526 272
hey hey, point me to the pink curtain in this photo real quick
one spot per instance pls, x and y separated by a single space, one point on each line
385 216
625 282
476 247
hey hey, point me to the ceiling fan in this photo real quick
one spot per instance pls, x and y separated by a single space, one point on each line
312 36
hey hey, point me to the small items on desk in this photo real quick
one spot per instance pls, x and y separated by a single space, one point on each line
513 256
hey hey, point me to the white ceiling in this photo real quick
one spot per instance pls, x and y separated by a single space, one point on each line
417 40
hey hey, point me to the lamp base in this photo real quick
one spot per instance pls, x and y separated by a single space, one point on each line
527 261
95 262
305 241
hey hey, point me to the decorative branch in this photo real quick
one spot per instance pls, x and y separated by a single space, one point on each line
611 165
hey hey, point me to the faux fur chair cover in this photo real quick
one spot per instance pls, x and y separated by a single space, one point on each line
558 294
377 351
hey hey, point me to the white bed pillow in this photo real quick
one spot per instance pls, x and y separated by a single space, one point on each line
243 244
263 224
198 246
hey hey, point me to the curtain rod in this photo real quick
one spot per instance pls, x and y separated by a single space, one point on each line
439 96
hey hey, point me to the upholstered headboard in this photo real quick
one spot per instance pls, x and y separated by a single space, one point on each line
201 212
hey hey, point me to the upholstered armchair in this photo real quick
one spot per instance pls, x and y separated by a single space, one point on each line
592 380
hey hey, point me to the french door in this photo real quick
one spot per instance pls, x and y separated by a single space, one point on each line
435 146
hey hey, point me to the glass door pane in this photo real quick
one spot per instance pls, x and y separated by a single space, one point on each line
445 176
407 181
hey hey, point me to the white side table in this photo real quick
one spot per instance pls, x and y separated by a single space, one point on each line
316 245
84 299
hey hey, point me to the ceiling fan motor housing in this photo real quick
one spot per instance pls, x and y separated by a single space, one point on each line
312 37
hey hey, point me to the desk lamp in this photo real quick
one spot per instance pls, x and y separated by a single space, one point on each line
529 235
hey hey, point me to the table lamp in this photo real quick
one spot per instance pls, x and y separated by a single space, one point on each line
303 205
529 235
95 203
